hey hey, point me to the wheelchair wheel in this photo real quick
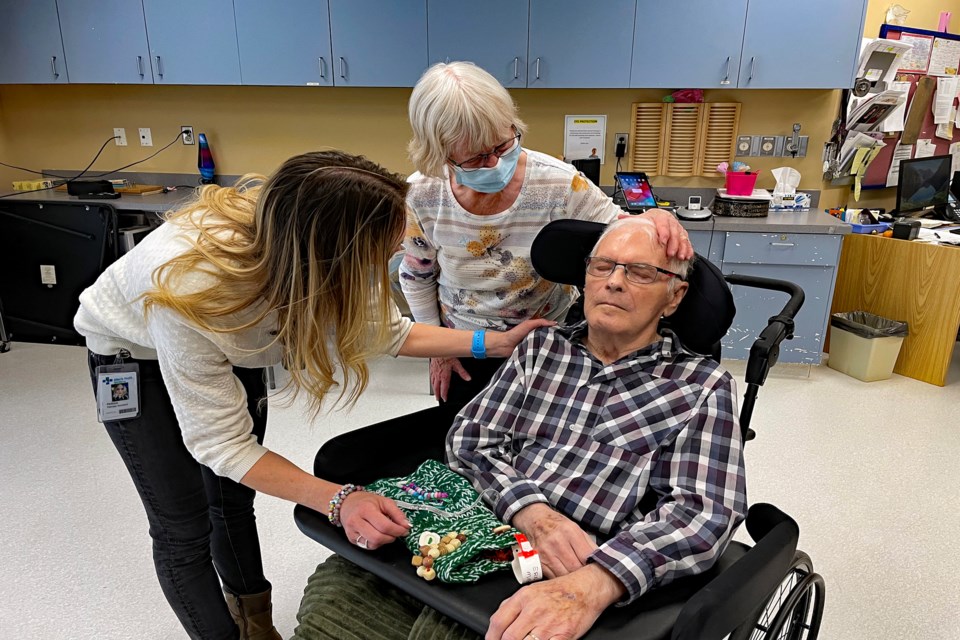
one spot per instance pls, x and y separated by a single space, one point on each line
794 611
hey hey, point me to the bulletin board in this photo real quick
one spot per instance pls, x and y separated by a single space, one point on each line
876 175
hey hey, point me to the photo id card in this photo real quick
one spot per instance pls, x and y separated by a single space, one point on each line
118 392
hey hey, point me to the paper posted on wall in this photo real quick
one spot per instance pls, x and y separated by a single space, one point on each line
894 121
900 152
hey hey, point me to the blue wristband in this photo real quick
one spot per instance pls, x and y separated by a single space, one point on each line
479 347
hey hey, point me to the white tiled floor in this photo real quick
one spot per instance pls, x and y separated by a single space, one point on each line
870 471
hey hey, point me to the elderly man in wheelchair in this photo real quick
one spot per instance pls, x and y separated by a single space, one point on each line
615 449
581 424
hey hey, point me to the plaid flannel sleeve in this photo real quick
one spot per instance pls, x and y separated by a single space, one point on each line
700 483
479 445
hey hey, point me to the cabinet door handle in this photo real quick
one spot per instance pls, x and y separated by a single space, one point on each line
53 67
341 68
753 63
516 67
323 67
726 75
538 69
783 244
159 67
140 65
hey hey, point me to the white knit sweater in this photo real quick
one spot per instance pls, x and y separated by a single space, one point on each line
196 365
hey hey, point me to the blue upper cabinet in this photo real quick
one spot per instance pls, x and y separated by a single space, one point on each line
105 41
578 44
284 43
192 41
709 58
778 52
493 34
378 43
31 50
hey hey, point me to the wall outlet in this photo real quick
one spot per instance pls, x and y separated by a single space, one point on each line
121 136
186 134
146 138
621 138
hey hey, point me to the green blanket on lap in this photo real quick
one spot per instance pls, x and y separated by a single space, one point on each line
461 511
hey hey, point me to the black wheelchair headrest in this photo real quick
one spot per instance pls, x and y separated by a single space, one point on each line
559 252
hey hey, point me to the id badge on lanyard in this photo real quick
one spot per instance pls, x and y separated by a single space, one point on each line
118 391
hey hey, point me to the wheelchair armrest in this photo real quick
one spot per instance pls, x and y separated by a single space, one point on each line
733 596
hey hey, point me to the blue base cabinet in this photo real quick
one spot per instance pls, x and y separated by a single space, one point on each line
808 260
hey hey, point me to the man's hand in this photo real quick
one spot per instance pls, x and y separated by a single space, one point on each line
563 546
371 521
500 344
671 234
441 370
560 609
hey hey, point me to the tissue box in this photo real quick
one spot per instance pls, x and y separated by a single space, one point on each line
790 202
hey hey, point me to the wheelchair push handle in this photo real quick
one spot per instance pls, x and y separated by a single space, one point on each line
796 294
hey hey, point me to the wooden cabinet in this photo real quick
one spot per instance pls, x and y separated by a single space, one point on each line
105 41
31 51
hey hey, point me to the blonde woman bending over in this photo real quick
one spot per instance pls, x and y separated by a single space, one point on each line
288 270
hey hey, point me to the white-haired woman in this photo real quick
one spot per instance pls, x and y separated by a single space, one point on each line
476 203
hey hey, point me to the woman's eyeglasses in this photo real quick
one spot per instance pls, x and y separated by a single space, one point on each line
480 160
635 272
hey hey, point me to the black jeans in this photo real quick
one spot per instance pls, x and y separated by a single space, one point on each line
202 525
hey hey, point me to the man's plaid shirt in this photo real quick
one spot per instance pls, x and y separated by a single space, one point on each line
557 426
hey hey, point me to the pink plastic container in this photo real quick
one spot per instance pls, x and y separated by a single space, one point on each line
739 183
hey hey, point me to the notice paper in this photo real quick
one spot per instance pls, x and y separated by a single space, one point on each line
894 121
945 57
584 137
943 102
900 152
945 130
925 148
916 59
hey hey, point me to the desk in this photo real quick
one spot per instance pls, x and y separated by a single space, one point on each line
911 281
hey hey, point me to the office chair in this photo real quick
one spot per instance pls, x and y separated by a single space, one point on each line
766 591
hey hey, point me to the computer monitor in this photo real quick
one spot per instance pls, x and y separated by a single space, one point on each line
590 167
924 184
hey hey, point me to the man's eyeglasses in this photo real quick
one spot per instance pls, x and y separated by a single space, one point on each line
635 272
479 161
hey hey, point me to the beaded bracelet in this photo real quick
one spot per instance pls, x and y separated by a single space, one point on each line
333 513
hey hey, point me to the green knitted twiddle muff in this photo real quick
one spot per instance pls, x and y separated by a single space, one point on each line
463 564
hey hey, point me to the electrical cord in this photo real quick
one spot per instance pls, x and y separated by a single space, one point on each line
69 179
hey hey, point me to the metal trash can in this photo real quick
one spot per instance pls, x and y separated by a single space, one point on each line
864 345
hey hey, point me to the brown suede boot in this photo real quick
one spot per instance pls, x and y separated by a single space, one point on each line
253 614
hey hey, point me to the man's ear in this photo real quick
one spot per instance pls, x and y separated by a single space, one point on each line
675 297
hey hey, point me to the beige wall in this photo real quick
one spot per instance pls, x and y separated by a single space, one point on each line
255 128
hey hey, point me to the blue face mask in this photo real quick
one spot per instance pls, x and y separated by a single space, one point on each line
490 179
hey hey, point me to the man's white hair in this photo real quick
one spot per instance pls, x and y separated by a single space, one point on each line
457 104
680 267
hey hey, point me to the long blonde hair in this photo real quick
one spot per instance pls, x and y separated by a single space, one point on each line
312 244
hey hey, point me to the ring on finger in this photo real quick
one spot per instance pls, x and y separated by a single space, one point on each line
360 541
